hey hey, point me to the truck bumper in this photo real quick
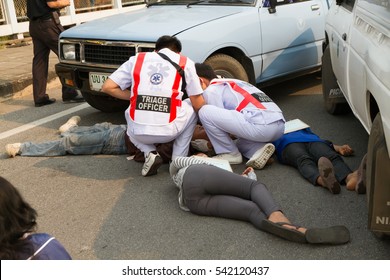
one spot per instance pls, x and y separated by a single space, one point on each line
78 78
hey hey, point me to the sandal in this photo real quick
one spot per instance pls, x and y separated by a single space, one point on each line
287 233
331 235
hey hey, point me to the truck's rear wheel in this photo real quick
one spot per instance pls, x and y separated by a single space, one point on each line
227 67
378 178
105 104
334 99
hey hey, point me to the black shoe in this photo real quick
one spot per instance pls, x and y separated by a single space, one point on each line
76 99
46 102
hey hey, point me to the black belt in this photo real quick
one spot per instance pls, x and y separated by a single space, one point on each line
40 19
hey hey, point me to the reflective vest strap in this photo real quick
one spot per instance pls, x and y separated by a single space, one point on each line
175 90
136 80
248 98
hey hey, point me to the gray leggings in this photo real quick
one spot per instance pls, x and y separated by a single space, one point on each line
212 191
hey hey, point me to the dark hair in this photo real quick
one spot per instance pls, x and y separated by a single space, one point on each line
17 217
205 71
169 42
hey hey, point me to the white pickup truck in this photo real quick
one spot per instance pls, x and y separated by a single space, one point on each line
259 41
356 76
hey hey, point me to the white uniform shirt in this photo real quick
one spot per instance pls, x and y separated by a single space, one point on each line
220 94
123 77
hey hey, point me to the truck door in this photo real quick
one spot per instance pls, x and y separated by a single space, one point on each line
292 36
339 41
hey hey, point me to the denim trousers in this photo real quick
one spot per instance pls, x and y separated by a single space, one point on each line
102 138
305 156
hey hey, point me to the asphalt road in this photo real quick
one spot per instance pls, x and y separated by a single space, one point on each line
100 207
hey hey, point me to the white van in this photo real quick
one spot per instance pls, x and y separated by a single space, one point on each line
356 76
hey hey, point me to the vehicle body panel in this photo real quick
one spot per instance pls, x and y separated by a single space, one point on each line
269 46
365 70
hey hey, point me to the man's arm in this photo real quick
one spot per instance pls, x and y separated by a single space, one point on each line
111 88
58 4
197 101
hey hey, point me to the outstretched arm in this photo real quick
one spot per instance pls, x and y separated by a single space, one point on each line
344 150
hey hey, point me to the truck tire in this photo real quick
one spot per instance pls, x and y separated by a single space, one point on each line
105 104
227 67
378 178
334 99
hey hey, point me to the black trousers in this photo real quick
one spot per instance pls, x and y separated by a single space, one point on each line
45 36
305 156
212 191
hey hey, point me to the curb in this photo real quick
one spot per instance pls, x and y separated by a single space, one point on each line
9 88
11 85
15 43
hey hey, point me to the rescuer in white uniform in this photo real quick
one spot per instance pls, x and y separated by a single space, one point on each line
157 113
239 109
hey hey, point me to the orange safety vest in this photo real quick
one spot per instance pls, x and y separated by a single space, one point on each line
136 100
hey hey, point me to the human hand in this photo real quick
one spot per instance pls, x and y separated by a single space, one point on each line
201 155
344 150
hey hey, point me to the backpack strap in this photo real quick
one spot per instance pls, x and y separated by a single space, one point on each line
181 72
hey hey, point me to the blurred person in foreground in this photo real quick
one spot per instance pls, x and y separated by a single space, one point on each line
18 237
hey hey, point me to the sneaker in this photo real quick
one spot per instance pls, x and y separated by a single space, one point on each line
261 157
325 167
13 149
152 163
232 158
73 121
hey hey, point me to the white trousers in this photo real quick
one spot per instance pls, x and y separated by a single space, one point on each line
146 142
220 123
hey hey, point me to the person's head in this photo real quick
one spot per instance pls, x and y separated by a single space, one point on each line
17 217
205 73
169 42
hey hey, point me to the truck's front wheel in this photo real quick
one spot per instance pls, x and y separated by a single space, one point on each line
334 100
105 104
378 178
227 67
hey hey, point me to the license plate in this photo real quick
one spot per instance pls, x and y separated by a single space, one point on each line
96 80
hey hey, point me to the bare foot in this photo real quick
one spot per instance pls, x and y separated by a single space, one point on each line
344 150
361 182
352 180
279 217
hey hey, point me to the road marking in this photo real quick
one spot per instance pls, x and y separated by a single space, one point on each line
42 121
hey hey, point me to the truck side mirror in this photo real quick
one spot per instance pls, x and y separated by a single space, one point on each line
272 6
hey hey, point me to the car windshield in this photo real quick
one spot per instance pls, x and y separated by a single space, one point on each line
202 2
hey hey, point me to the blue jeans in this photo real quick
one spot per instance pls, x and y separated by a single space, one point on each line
304 157
102 138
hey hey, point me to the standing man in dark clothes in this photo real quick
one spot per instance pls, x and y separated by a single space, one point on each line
45 28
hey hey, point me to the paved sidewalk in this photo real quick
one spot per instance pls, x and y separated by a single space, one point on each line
16 67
